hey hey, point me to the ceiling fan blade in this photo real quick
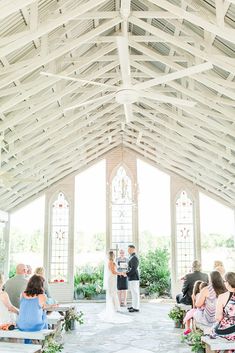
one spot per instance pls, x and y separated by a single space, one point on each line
128 112
124 60
174 75
167 99
48 74
100 99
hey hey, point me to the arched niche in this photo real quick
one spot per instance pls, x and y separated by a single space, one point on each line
185 230
121 200
59 240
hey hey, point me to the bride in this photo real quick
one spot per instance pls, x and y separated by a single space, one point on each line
110 285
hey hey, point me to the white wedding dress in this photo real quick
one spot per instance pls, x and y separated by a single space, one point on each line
110 314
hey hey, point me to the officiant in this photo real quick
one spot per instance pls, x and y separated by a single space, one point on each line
122 282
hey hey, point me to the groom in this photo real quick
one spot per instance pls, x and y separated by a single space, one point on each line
133 279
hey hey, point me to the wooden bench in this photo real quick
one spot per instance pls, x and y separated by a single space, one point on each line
54 320
184 307
38 335
205 329
6 347
218 344
62 308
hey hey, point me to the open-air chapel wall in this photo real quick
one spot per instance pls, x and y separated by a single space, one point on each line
63 291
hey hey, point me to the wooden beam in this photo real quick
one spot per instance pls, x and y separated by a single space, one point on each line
9 7
225 33
177 42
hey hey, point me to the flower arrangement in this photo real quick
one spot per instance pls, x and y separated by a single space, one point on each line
194 340
51 346
176 314
71 317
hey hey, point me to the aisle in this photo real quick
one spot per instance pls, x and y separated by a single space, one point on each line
151 331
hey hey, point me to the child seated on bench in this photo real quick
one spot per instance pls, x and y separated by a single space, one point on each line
198 285
7 310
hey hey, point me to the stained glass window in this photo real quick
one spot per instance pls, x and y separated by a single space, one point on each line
184 233
59 240
121 210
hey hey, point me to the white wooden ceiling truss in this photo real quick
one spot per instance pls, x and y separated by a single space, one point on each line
81 77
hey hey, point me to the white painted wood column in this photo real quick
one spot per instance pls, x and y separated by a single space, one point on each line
62 292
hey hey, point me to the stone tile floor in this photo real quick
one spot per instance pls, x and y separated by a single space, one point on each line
151 331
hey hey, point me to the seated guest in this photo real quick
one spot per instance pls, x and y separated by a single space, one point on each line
187 290
40 271
207 299
32 316
28 272
219 266
198 286
16 285
225 309
7 310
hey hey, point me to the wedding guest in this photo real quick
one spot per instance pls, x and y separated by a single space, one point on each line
16 285
133 279
40 271
32 314
198 286
219 266
28 272
208 298
189 279
122 283
225 309
7 310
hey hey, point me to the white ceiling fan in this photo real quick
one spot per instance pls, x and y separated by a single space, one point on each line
127 93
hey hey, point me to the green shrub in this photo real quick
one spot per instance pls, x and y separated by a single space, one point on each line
176 314
88 281
12 271
154 271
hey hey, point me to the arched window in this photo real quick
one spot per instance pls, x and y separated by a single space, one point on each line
121 209
59 240
184 233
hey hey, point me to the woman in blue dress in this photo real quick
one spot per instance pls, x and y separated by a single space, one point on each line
32 314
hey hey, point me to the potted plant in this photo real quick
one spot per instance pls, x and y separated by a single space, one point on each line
177 315
71 317
51 346
194 340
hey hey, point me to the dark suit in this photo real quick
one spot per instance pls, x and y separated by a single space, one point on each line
187 289
133 264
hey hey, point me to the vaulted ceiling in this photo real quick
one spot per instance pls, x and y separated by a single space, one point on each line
156 76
